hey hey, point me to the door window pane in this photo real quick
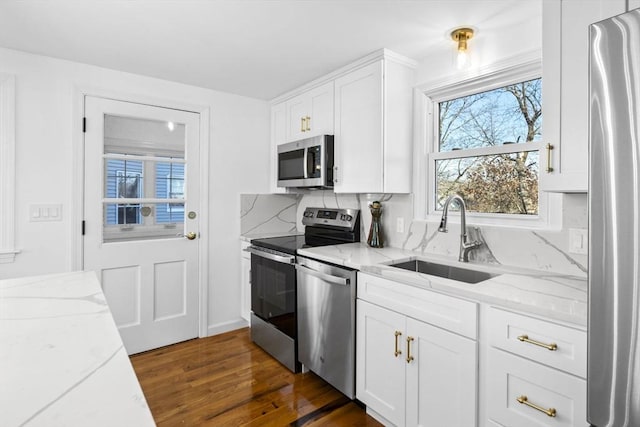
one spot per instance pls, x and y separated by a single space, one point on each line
144 170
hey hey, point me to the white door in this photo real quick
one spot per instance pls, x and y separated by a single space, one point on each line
141 202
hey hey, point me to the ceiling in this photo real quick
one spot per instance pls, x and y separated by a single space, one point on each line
256 48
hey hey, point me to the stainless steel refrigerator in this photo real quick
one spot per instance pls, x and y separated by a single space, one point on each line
613 383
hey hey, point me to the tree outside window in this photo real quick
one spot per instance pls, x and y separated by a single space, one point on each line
488 149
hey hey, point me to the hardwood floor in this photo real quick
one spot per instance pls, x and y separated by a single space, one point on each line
226 380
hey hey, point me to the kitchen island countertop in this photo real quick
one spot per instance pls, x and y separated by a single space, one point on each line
62 362
555 296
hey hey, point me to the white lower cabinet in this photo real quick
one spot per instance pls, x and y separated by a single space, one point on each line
535 372
412 373
380 372
522 393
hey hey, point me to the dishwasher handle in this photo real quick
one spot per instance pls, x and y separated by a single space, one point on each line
326 277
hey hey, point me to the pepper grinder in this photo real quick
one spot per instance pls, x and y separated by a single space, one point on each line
375 232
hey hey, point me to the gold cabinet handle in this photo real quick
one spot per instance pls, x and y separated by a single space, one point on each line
302 120
549 147
308 123
525 338
397 352
409 356
525 401
191 235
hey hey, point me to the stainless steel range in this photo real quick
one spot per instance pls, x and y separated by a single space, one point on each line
282 317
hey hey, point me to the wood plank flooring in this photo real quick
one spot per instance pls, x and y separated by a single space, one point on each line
226 380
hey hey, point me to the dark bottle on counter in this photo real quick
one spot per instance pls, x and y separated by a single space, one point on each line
375 231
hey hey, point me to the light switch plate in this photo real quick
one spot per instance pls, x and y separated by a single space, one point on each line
41 213
400 225
578 241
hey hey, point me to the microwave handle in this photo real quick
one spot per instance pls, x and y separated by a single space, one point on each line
306 165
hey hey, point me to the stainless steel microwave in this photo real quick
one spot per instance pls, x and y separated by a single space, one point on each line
306 163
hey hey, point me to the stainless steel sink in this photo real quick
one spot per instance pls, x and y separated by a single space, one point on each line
446 271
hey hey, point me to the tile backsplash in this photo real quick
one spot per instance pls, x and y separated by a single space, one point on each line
528 248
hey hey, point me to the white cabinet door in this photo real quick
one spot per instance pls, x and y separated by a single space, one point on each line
380 372
441 378
311 113
245 282
359 131
565 85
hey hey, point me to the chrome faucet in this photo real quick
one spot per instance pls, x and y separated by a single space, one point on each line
465 247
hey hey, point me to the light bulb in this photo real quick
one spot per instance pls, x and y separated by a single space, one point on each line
463 59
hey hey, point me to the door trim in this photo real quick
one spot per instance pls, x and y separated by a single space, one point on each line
76 248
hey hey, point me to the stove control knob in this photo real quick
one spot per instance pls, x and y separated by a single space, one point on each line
349 217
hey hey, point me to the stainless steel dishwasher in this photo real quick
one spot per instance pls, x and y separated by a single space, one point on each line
326 322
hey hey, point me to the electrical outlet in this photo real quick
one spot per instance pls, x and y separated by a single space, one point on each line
578 241
400 225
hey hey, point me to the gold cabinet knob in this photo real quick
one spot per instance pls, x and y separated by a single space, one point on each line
191 235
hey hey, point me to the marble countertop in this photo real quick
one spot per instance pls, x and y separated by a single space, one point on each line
555 296
62 362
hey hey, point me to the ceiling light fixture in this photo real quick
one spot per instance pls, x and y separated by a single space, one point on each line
461 36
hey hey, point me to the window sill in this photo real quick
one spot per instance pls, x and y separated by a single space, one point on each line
8 256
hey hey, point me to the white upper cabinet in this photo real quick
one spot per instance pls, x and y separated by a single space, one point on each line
367 106
373 128
565 85
310 113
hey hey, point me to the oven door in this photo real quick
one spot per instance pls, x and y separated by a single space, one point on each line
273 289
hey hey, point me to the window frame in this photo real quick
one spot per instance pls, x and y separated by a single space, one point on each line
428 98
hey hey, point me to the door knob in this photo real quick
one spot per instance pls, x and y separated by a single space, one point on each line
190 235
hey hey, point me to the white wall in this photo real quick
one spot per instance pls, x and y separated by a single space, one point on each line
47 133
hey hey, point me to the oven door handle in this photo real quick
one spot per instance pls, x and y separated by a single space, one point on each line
273 257
326 277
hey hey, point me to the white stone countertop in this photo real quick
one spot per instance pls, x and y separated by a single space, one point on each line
62 362
556 296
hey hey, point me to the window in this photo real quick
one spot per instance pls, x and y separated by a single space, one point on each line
485 144
485 152
124 181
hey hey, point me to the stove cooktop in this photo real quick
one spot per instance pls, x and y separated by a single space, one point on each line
286 244
323 227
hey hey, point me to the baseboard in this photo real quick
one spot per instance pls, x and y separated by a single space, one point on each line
223 327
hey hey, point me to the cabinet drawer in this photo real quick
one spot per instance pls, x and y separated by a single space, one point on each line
456 315
511 377
510 332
